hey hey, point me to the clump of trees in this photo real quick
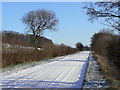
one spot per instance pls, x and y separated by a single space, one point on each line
37 21
81 47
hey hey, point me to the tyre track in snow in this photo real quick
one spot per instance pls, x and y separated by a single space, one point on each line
65 73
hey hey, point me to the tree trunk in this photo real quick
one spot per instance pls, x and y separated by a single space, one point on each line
36 43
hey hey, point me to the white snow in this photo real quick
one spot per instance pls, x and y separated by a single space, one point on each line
67 72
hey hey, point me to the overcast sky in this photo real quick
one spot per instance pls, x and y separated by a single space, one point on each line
73 24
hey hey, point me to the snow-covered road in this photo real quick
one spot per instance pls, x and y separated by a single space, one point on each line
67 72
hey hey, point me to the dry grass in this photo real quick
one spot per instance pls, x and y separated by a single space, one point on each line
110 71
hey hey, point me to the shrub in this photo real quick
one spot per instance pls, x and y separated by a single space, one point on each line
106 47
114 51
23 56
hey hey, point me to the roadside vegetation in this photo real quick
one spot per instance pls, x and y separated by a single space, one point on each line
106 49
16 51
106 45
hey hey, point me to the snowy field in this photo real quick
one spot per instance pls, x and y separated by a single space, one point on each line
66 72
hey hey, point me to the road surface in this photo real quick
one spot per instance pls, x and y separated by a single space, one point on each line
67 72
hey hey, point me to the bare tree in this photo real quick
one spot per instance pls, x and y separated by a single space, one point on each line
39 20
107 13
